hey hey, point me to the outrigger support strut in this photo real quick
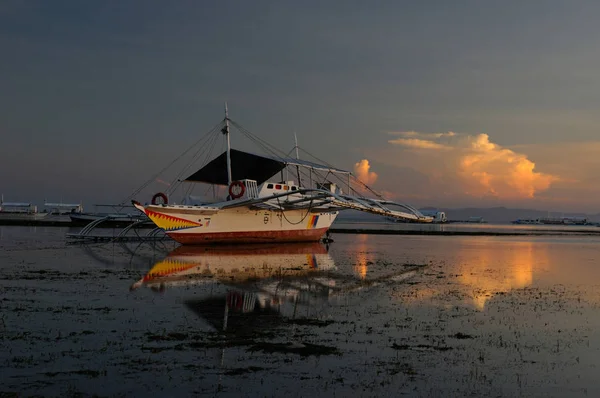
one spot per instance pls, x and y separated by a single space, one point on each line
324 200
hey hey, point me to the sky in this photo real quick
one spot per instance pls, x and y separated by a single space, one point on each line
435 103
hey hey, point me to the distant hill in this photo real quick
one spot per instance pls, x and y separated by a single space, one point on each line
496 215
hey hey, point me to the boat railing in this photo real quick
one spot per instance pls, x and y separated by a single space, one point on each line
251 189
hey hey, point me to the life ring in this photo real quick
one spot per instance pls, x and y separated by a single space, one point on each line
160 195
237 189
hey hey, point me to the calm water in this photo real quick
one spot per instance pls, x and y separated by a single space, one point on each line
472 228
370 315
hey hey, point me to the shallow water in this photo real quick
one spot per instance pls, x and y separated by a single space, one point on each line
467 228
372 315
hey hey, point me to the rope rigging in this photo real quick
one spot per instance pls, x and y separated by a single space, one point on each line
282 156
206 144
165 168
210 145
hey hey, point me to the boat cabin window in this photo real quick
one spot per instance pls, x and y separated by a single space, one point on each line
283 187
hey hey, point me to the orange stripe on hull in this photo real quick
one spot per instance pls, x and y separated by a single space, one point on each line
302 235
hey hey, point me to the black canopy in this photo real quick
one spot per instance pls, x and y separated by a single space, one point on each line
244 165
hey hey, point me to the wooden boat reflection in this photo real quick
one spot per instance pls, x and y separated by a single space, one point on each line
261 279
236 263
269 304
263 284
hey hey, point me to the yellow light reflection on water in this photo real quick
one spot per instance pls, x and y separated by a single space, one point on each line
497 267
474 270
361 266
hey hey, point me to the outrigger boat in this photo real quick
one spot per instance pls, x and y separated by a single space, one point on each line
260 208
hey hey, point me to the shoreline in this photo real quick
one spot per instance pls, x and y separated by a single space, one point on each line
64 223
461 233
374 229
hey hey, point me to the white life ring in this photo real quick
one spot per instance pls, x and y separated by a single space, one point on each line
237 189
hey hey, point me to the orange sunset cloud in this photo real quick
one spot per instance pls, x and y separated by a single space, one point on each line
479 166
363 173
418 143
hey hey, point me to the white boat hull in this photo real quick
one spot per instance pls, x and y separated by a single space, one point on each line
22 216
201 225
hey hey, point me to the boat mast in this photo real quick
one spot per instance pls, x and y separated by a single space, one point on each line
297 157
296 145
226 132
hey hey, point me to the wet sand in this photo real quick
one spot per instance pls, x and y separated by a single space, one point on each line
374 315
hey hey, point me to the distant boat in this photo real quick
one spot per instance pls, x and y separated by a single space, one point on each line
527 221
576 221
60 208
111 213
552 221
477 220
113 218
439 217
19 211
